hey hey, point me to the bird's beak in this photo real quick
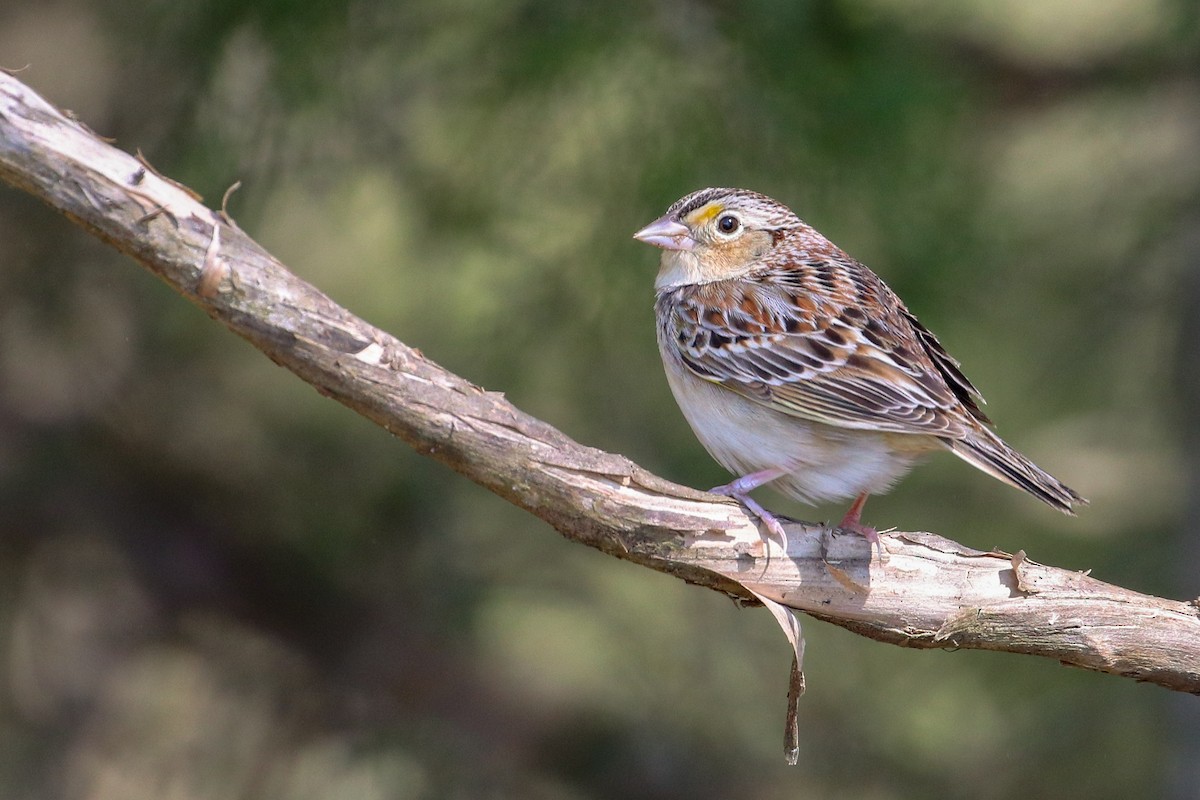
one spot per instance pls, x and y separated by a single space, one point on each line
667 234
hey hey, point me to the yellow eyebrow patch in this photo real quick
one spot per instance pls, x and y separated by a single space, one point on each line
705 212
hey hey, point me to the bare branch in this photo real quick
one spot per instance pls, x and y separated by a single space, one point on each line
926 592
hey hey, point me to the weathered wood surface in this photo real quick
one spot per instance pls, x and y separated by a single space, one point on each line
926 591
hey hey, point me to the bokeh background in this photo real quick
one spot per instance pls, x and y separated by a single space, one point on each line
215 583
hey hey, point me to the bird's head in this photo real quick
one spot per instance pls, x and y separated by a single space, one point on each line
715 234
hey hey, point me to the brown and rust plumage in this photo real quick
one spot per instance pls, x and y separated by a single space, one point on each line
753 301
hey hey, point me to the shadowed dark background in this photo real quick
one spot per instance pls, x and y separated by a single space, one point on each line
215 583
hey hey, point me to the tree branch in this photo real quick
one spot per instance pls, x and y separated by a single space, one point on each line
926 592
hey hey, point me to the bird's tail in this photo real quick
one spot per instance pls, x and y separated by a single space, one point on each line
990 453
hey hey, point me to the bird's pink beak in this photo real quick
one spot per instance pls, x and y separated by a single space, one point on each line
667 234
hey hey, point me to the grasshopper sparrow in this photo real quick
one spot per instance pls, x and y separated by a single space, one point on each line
796 365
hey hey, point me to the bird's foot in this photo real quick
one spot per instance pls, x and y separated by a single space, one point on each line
853 522
865 531
769 521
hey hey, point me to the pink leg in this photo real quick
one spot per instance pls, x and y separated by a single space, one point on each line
740 490
853 520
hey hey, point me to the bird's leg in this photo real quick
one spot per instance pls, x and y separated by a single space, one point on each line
740 490
853 521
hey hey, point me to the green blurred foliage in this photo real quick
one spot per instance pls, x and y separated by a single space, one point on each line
218 584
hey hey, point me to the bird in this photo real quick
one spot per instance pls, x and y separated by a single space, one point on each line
797 366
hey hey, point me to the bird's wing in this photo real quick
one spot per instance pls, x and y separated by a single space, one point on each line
835 346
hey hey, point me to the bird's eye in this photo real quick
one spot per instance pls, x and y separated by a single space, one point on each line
728 224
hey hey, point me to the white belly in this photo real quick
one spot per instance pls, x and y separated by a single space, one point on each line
822 462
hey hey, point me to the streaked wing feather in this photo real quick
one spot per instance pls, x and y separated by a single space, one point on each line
801 354
950 370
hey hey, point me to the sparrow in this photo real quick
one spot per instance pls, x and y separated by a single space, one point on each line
797 366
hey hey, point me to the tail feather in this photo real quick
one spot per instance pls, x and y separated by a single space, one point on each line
990 453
